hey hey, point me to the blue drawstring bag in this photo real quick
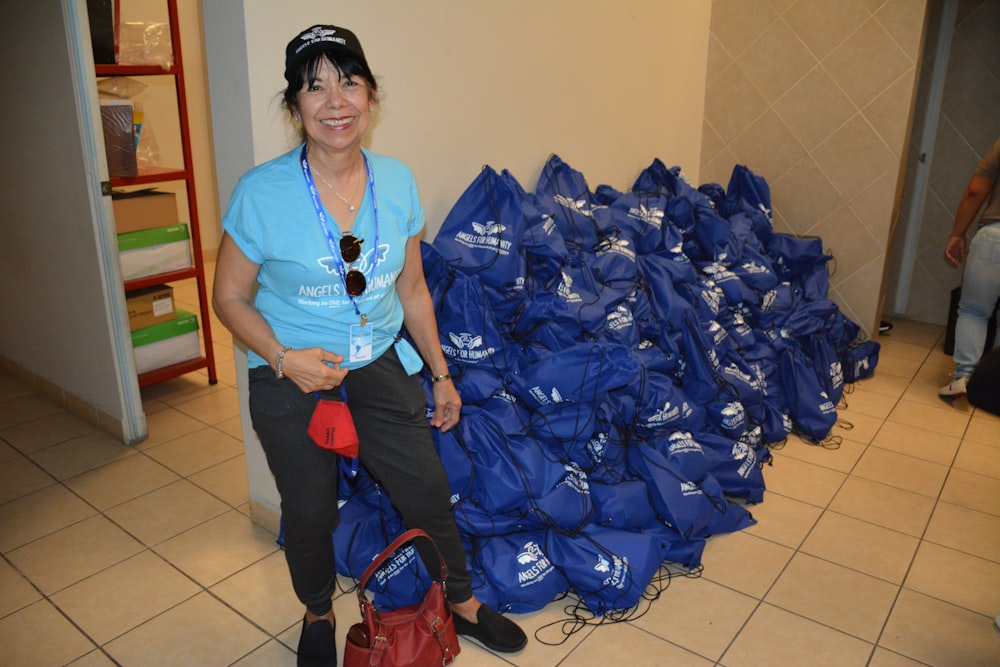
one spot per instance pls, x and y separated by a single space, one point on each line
646 322
482 233
584 373
513 573
639 216
735 465
819 348
816 283
707 299
438 272
568 506
544 248
368 523
675 549
713 237
755 270
795 256
810 408
750 194
732 286
476 385
662 406
507 303
860 360
775 305
678 500
468 331
701 363
602 455
505 412
741 381
663 275
556 425
613 260
649 355
715 193
620 327
657 178
607 568
809 316
474 520
624 505
509 471
743 339
562 193
455 457
685 452
727 416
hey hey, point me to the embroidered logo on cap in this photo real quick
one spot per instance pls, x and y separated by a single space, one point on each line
319 34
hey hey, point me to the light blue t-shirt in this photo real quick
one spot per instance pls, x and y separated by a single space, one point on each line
301 294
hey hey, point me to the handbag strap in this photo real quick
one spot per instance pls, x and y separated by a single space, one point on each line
406 537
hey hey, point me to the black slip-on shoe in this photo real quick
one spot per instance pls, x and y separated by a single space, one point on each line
317 645
493 631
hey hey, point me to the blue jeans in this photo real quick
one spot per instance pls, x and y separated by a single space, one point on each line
980 291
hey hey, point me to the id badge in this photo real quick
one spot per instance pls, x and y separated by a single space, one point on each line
361 343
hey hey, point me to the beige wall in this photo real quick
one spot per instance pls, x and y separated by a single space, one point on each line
815 96
968 125
609 85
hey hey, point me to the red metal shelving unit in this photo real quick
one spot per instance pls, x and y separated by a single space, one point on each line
149 175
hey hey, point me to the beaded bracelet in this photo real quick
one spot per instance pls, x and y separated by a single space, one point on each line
441 378
278 360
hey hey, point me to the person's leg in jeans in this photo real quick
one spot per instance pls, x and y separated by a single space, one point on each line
306 477
980 291
390 415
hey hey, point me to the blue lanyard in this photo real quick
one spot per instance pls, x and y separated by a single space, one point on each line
334 242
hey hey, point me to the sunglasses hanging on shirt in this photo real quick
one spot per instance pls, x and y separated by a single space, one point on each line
350 250
355 282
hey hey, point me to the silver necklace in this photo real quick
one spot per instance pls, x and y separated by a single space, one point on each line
350 207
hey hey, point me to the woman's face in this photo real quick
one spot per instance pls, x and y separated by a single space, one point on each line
334 111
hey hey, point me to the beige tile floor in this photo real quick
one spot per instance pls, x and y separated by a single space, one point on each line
884 552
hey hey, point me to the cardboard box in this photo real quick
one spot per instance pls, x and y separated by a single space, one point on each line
149 306
143 209
119 138
166 343
149 252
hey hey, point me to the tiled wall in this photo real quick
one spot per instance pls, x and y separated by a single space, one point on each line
816 97
968 125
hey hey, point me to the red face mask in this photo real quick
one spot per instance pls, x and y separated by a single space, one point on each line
332 427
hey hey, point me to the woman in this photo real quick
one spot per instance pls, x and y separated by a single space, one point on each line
328 236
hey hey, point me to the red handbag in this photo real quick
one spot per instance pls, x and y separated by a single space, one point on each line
419 635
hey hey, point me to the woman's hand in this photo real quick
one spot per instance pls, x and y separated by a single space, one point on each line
447 405
313 369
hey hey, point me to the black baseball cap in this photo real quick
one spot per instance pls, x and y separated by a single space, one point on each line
319 38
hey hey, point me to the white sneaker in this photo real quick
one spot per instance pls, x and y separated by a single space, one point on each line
954 388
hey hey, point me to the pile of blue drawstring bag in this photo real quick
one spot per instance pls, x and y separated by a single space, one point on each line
625 360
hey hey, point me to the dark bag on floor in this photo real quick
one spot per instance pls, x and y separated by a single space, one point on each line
417 635
949 333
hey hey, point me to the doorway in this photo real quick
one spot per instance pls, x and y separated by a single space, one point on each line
955 122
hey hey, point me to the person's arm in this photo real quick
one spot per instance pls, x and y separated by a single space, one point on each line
232 299
420 322
975 195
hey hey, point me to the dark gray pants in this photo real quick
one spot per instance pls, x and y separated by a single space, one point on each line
389 410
